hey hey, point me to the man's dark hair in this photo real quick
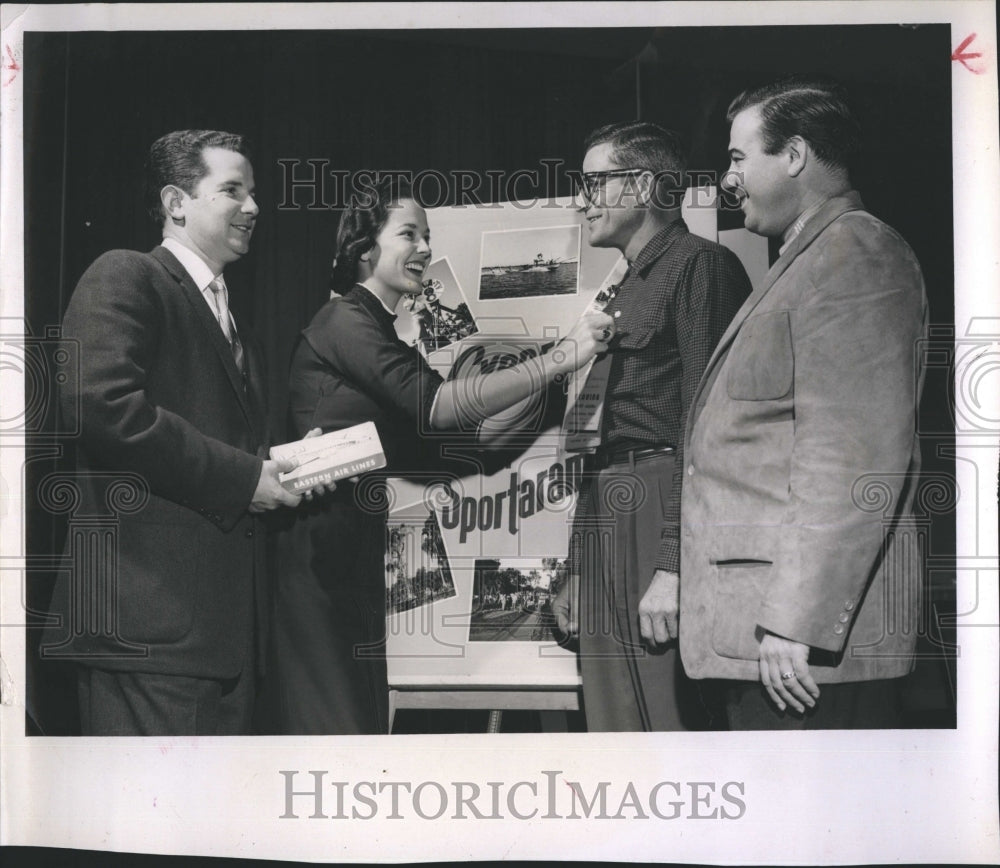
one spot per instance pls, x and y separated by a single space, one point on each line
643 145
177 158
815 108
360 225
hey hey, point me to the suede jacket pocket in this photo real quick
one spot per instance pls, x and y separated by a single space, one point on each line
761 364
740 587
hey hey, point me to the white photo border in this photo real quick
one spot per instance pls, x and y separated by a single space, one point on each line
773 798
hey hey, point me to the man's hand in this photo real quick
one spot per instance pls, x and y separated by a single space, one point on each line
659 607
270 493
565 606
784 672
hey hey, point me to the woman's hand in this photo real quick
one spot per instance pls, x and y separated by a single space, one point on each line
471 399
588 337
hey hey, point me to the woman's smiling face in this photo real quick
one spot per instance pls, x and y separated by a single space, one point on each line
402 251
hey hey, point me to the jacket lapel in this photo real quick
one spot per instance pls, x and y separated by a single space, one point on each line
833 209
830 211
210 327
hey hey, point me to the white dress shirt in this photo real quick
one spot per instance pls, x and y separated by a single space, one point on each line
200 273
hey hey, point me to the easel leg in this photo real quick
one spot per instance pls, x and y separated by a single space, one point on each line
393 695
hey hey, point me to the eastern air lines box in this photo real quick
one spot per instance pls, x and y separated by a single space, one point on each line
332 456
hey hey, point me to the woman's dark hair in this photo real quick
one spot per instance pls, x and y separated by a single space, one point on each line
360 225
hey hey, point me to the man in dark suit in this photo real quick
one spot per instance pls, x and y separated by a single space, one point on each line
800 564
172 420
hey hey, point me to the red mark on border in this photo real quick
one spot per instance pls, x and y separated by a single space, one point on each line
11 67
961 55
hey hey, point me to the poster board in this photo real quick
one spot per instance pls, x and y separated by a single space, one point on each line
812 797
472 611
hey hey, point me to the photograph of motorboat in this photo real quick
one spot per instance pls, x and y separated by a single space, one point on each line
525 263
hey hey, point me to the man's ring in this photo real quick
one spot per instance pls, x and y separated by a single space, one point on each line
605 334
787 676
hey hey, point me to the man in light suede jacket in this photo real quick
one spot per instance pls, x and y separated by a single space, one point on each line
797 567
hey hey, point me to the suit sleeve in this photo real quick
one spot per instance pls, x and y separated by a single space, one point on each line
714 288
856 388
116 319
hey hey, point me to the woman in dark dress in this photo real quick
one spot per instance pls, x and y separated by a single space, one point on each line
327 672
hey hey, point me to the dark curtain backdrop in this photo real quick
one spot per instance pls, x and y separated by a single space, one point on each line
356 100
426 100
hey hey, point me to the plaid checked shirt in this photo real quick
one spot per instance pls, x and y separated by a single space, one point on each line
680 294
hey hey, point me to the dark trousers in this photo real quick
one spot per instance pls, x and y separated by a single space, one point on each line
627 685
143 703
848 705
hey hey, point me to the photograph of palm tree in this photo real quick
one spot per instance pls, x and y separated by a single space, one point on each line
417 571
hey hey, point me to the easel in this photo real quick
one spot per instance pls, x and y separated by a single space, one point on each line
495 698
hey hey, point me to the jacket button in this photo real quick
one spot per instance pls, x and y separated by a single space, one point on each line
849 605
838 629
844 618
690 470
248 532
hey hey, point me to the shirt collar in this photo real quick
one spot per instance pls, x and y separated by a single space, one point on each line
658 245
792 232
193 264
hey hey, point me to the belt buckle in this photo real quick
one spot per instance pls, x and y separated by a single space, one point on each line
649 452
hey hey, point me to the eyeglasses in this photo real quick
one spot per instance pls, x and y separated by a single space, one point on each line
592 182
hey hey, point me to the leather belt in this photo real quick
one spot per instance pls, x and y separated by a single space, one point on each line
607 457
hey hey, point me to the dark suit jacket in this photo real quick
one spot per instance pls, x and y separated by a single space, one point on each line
802 459
161 407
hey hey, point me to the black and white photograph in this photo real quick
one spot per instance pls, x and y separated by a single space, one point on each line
511 599
757 242
509 269
417 571
440 314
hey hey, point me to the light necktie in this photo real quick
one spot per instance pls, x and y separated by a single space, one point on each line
221 296
582 425
605 298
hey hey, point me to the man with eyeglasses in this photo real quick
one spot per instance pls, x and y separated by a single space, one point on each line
678 296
